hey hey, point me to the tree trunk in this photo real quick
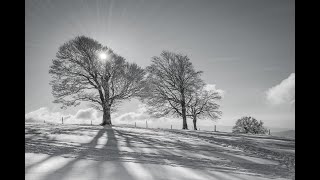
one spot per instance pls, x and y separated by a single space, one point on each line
106 120
195 122
184 116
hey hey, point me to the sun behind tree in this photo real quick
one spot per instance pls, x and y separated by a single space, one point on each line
85 70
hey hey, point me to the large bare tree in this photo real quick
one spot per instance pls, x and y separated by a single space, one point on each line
203 105
85 70
169 78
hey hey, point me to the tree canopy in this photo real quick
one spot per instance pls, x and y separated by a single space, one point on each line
203 104
170 78
78 74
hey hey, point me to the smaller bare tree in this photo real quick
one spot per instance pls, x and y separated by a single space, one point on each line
170 77
203 105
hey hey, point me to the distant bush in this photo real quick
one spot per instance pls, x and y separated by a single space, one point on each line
249 124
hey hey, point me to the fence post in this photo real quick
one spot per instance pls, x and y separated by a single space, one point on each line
171 126
269 131
146 124
62 120
135 125
91 122
215 128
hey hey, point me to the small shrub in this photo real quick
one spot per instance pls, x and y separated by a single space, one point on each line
250 125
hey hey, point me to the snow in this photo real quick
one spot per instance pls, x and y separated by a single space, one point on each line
54 151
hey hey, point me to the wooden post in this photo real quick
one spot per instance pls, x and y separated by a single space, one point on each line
146 124
171 126
62 120
91 122
135 125
44 121
215 128
269 131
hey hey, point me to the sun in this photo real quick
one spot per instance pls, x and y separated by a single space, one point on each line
103 56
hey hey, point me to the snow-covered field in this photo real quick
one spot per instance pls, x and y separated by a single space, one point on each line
57 152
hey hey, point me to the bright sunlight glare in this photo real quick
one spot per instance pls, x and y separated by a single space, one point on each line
103 56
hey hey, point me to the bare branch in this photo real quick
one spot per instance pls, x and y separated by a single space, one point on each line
170 77
78 75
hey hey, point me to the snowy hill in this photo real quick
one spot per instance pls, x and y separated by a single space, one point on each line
288 134
57 151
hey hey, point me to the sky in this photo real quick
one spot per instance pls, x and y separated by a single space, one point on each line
246 49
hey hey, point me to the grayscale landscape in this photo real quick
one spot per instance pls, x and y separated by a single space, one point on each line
159 89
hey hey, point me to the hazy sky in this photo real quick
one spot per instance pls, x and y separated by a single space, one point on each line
245 48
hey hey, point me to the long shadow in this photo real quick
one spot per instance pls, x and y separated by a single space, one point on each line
165 153
91 151
64 170
249 146
40 142
43 144
111 149
254 149
34 143
168 145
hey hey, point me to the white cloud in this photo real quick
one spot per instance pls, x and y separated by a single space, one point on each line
86 114
83 116
129 117
43 114
212 87
283 93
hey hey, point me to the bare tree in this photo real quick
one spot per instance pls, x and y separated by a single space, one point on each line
170 77
203 105
80 75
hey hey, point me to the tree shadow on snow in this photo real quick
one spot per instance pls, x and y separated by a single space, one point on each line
163 152
92 153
